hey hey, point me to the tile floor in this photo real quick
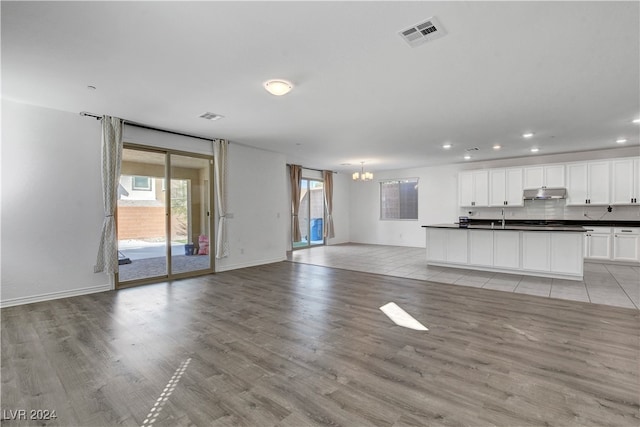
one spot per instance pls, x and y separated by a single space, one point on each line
607 284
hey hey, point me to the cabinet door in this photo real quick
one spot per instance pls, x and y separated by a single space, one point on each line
599 246
514 187
599 179
481 188
535 251
577 184
636 181
533 177
506 249
554 176
480 244
436 244
465 189
625 246
457 246
497 186
622 181
567 253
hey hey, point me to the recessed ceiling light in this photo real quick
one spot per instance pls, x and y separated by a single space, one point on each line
210 116
535 150
621 140
278 87
636 120
446 146
467 156
527 135
497 147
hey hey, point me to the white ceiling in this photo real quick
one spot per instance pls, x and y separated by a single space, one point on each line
568 71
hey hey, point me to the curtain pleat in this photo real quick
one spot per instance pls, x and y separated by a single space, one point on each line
220 150
295 177
107 259
327 176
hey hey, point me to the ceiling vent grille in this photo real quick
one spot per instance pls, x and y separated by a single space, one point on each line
473 149
211 116
423 32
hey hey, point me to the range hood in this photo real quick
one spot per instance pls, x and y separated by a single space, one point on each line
545 193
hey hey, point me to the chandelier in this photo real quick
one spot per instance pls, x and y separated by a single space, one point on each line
362 175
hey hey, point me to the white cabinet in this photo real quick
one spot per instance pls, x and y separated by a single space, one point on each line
564 256
551 176
506 249
479 243
457 246
597 243
473 188
588 183
626 244
535 251
505 187
437 244
447 245
625 181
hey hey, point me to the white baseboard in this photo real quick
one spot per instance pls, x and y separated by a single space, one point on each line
54 295
220 268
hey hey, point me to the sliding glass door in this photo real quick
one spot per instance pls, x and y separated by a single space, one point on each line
163 229
311 214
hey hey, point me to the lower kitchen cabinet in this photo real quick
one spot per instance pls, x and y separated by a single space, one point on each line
597 243
480 244
626 243
506 250
536 253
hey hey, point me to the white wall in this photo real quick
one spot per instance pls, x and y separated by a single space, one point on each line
437 187
258 202
50 235
341 207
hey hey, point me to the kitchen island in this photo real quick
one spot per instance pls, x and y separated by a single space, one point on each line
545 251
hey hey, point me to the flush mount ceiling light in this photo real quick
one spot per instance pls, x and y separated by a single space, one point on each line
497 147
467 157
210 116
635 121
362 175
446 146
527 134
621 140
278 87
535 150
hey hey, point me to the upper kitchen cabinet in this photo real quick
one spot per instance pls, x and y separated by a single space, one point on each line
625 181
473 188
551 176
505 187
588 183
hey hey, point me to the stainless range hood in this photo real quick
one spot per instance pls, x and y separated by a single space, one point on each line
545 193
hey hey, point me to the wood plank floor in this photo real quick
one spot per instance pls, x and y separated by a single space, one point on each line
291 344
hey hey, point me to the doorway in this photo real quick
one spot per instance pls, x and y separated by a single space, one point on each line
164 216
311 214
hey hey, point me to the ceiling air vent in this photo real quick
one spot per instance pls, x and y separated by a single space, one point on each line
423 32
473 149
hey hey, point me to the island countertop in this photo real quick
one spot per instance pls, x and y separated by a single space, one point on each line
513 227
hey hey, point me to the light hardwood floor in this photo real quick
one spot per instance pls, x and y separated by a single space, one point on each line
290 344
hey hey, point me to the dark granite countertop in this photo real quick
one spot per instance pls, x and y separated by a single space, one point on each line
512 227
558 222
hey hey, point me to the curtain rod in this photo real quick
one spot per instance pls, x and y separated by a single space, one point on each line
140 125
311 169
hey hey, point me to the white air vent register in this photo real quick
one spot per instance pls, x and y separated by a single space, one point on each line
423 32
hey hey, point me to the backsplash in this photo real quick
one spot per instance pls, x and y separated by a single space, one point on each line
555 210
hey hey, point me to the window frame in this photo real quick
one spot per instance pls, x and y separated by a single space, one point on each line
135 187
381 182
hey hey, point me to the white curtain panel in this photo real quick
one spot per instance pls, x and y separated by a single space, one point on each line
107 259
220 150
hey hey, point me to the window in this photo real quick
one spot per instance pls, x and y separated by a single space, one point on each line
399 199
141 183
